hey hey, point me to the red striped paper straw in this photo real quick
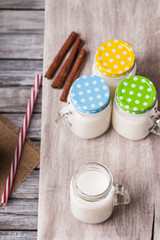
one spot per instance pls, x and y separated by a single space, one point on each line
21 140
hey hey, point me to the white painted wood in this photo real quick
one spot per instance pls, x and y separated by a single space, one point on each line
132 163
27 22
21 46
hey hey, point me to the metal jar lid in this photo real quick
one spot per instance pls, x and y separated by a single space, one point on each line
90 94
115 58
136 95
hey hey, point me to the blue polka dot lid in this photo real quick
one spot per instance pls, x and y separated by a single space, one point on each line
89 94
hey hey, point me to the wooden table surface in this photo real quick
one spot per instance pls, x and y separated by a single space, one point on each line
21 55
133 163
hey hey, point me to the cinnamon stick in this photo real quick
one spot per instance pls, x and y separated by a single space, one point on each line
60 56
79 70
76 76
81 45
75 69
61 77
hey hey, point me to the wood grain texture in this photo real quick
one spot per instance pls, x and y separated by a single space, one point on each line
15 25
23 203
134 164
18 235
21 46
15 99
27 22
20 207
19 214
22 4
19 72
18 222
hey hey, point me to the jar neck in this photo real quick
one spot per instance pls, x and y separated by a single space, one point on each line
104 75
136 115
86 169
86 114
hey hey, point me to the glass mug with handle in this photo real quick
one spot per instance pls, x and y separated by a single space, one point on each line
135 112
88 108
93 194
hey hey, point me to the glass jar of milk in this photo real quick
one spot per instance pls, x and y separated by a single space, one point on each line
93 194
114 61
88 111
135 112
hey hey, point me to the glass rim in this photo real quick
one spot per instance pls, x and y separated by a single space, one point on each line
87 167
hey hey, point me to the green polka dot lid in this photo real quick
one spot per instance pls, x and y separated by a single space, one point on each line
136 95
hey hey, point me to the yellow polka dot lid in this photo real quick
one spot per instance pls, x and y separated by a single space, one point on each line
115 58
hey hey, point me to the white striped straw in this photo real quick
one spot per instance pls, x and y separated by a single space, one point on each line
21 140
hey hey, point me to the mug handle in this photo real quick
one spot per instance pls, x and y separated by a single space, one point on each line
62 118
121 195
156 122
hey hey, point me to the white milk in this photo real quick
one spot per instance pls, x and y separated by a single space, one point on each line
93 195
92 182
135 112
133 127
90 126
88 112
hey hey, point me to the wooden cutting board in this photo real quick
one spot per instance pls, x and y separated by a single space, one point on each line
133 163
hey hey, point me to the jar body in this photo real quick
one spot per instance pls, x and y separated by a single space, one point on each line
112 82
89 126
92 212
133 127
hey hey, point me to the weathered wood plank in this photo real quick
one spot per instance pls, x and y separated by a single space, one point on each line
18 22
15 99
34 131
22 4
19 222
21 46
18 235
19 214
19 72
23 203
21 211
20 207
20 65
29 188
